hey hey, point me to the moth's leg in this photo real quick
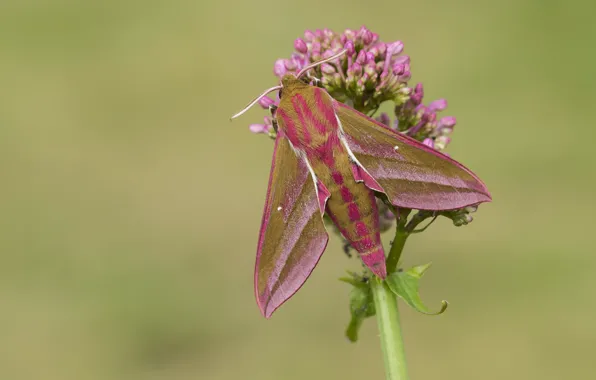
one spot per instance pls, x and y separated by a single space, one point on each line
317 82
347 247
272 109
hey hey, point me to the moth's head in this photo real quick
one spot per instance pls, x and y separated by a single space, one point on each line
289 80
290 83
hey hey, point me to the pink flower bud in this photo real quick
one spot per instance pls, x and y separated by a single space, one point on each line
429 142
394 48
336 46
327 68
354 70
266 101
399 69
257 128
300 46
349 46
309 36
290 65
361 59
401 59
378 50
348 35
418 94
441 142
438 105
370 69
366 35
374 37
447 123
279 68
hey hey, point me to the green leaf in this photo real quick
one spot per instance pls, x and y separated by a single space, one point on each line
362 306
356 280
405 285
353 328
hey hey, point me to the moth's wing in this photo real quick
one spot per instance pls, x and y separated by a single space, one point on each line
412 174
293 235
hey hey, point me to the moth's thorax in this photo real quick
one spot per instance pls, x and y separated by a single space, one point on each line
306 116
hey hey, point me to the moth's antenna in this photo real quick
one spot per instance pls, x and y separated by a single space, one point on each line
301 73
255 101
315 64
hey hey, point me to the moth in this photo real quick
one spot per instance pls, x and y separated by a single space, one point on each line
329 158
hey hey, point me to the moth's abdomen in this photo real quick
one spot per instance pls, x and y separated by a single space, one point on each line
352 207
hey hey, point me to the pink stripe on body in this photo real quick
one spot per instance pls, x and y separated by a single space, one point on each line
346 194
288 126
361 228
303 114
353 212
302 108
337 177
326 109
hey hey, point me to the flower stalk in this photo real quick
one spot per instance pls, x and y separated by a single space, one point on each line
387 311
397 245
390 334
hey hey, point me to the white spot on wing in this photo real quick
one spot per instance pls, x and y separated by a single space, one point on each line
395 148
279 208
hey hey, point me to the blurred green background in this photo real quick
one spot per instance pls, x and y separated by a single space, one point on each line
130 205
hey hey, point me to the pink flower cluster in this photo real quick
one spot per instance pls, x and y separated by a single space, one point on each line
370 73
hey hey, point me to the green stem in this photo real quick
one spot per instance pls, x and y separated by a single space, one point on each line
397 246
390 332
387 312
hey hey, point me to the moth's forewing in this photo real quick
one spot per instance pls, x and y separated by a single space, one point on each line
412 174
293 235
